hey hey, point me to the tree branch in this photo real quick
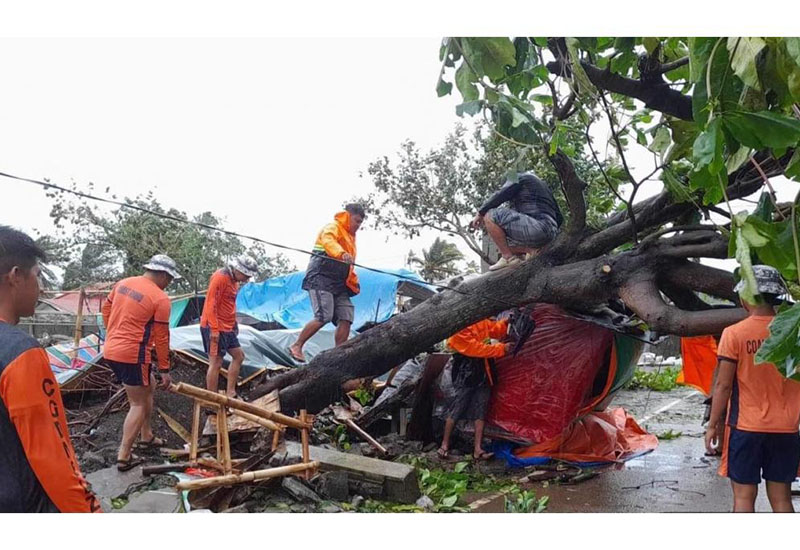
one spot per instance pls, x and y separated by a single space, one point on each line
573 187
644 299
658 96
700 278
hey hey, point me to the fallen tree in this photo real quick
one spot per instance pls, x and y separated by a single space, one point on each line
644 255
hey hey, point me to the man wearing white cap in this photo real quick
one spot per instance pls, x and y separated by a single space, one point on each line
136 316
218 325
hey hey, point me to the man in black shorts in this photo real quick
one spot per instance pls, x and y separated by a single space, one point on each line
530 223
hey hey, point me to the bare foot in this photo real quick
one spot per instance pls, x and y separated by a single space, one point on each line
297 353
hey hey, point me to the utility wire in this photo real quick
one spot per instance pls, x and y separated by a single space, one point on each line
48 185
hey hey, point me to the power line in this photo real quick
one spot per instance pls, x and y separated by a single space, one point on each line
53 186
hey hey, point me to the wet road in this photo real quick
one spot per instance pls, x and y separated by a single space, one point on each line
676 477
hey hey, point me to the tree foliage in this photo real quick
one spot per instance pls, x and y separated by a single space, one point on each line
102 245
437 262
441 189
719 116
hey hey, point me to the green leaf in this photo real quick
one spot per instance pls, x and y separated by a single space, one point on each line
464 82
783 331
744 51
460 467
793 168
745 264
449 501
443 88
754 233
650 43
470 108
707 149
793 48
502 50
584 85
543 99
699 52
680 193
683 136
736 160
764 208
661 141
491 95
763 130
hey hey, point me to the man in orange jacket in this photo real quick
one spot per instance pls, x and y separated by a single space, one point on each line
472 378
38 468
136 316
331 279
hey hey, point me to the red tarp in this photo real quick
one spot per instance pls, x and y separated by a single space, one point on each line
550 381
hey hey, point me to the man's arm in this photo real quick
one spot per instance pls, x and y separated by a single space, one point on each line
466 343
161 333
213 296
328 238
726 371
505 193
33 399
498 329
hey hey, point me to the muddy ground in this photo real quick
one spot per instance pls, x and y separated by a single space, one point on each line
676 477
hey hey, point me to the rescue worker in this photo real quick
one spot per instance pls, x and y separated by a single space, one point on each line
530 223
218 326
761 436
472 375
38 468
331 279
136 316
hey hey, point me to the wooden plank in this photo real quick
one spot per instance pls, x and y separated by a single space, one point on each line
195 437
246 477
176 426
399 480
304 441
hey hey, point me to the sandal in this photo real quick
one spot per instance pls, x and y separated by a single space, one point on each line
485 455
152 442
130 463
443 453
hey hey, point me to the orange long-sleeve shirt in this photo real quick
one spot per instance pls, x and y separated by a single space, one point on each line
471 341
136 316
38 468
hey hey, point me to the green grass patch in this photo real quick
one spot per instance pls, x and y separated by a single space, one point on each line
659 380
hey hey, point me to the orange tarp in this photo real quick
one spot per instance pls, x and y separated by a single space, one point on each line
608 436
699 354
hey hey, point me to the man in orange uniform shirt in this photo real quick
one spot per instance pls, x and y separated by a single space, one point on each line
38 468
136 315
761 437
218 326
472 379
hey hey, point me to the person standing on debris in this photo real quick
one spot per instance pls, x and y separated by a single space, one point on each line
218 326
471 371
136 316
38 468
331 279
761 437
530 223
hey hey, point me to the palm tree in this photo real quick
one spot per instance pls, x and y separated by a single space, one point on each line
438 262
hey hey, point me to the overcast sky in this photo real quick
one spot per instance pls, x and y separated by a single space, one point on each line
270 134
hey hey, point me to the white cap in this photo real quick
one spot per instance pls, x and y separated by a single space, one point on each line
246 265
162 262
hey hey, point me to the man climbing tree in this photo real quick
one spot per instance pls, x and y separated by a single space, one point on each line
718 117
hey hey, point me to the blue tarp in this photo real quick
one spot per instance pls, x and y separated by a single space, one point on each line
281 299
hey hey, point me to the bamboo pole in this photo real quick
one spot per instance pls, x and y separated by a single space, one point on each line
304 440
222 435
276 439
199 393
78 324
193 444
257 475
